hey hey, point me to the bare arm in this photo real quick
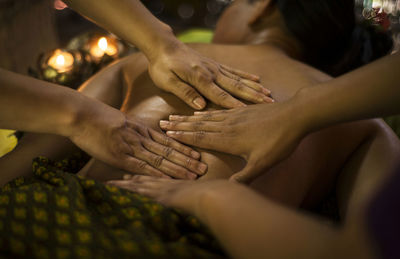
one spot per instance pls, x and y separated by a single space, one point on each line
173 66
368 92
250 226
24 101
272 131
104 132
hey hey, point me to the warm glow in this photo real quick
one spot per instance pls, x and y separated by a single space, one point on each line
62 61
103 44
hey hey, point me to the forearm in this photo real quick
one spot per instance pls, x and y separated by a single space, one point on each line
130 20
368 92
32 105
249 226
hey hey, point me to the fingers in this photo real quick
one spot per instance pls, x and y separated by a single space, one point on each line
161 164
201 139
169 142
256 86
190 96
181 165
252 84
206 116
145 185
138 166
191 126
134 187
240 73
239 89
219 96
149 158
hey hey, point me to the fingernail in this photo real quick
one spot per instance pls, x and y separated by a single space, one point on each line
191 176
170 133
195 155
163 124
203 168
268 100
266 91
199 103
198 113
173 117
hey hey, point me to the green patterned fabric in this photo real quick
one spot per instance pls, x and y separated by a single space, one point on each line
56 214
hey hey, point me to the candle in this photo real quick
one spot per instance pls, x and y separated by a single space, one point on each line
104 45
65 67
61 61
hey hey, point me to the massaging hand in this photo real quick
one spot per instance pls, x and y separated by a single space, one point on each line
263 134
108 135
188 75
180 194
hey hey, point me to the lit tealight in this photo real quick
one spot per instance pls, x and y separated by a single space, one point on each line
61 61
102 47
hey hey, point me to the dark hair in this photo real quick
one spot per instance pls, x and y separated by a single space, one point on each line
331 38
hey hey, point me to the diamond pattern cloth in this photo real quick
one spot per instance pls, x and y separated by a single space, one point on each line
57 214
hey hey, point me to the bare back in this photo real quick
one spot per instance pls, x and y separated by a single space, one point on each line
322 153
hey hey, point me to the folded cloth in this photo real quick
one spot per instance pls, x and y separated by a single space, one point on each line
57 214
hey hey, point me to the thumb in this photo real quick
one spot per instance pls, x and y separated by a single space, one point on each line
246 175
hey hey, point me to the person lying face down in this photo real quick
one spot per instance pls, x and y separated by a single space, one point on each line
256 36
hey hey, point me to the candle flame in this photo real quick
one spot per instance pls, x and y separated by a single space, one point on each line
103 43
60 60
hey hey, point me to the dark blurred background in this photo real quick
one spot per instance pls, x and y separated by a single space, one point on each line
31 27
179 14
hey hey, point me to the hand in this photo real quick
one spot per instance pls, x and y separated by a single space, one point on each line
108 135
181 70
180 194
263 134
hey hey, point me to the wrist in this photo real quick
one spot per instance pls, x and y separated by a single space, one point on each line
165 43
83 109
306 113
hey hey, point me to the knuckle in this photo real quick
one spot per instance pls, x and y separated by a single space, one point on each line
141 165
207 116
187 150
166 141
223 95
189 92
158 161
239 86
197 125
188 163
205 78
198 136
168 152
